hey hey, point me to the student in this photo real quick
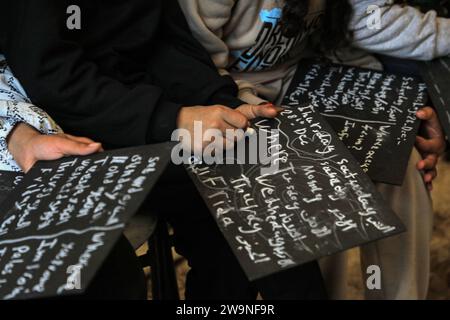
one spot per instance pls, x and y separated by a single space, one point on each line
260 42
26 129
131 75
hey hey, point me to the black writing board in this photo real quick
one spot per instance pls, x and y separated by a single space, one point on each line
58 225
316 203
373 113
8 181
436 74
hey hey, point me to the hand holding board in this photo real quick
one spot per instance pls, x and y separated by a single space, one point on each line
318 202
60 223
373 113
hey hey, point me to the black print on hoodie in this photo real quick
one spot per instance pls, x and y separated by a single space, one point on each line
271 46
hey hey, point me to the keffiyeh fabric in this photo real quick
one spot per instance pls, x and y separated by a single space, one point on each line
15 107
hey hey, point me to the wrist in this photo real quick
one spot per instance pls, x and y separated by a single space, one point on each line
20 144
181 117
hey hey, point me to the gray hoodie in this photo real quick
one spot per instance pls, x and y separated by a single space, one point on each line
244 39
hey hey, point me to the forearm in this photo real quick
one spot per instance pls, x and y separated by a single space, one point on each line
404 31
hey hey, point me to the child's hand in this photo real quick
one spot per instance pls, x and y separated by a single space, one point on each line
221 118
29 146
212 117
266 110
431 144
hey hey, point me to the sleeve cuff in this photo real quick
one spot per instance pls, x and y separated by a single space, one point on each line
7 162
29 114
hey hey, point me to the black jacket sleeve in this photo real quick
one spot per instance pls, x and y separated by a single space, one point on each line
83 99
194 78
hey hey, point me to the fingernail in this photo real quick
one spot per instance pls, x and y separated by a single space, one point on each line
95 144
250 131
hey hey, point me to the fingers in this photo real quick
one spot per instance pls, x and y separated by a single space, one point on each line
248 111
430 176
426 114
429 148
234 119
428 163
428 166
265 111
83 140
425 146
69 147
431 126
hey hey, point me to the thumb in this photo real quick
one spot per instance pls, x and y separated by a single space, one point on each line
264 111
426 146
432 125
